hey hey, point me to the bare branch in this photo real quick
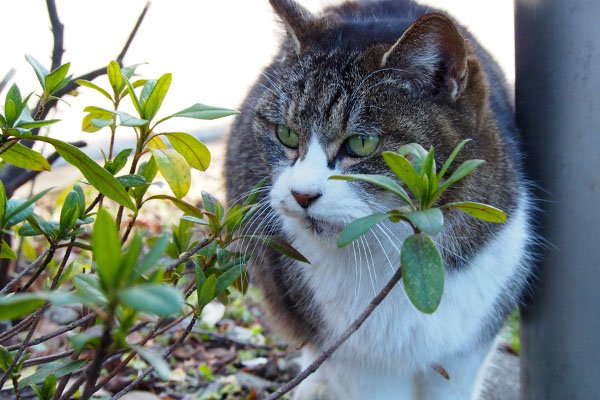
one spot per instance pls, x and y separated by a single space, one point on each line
7 78
57 33
46 359
347 333
133 33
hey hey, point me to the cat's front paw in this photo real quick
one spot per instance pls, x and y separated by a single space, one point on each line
313 389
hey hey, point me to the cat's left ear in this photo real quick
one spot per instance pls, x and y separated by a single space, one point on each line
433 48
297 20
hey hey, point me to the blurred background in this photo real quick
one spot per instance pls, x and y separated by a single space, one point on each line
215 49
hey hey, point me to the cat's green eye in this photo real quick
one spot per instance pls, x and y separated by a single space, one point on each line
287 136
362 145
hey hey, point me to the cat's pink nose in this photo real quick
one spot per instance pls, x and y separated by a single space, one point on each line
305 199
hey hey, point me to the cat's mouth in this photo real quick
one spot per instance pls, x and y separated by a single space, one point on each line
321 227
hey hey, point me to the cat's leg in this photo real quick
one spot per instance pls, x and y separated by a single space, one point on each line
464 372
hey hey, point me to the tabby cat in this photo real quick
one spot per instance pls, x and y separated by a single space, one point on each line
359 79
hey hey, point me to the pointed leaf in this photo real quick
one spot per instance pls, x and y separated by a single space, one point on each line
106 246
162 300
53 79
148 170
279 244
160 365
35 124
57 368
451 158
91 85
97 176
228 277
18 210
39 69
428 167
90 286
201 111
70 211
6 251
359 227
403 170
132 180
157 249
174 169
10 110
193 150
17 305
146 90
480 211
134 98
182 205
463 170
114 76
207 290
2 205
157 96
91 122
422 272
23 157
380 180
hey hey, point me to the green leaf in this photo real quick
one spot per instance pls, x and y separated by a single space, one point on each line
228 277
120 161
58 87
35 124
157 249
17 305
39 69
106 246
127 274
48 387
91 85
480 211
148 170
380 180
207 291
201 111
403 170
12 105
129 70
428 167
134 98
160 365
2 204
415 154
132 180
10 110
5 358
55 78
279 244
6 252
90 286
422 272
174 169
152 105
84 339
146 90
70 211
23 157
57 368
359 227
451 158
193 150
114 77
91 122
212 205
130 120
18 210
253 196
182 205
162 300
463 170
97 176
429 221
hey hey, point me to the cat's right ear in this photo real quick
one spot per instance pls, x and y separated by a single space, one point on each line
297 20
431 49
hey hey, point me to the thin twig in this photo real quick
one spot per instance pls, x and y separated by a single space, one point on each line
349 331
58 34
27 270
188 255
57 332
46 359
15 330
7 78
229 339
148 370
133 33
11 144
73 388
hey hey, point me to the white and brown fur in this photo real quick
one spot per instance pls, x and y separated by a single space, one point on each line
384 67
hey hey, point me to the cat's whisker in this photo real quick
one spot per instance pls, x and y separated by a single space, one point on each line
383 249
279 90
362 242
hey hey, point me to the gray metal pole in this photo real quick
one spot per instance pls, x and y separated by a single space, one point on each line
558 110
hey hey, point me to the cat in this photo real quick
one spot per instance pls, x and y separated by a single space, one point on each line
347 84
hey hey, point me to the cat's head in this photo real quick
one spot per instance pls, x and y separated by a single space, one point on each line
345 88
